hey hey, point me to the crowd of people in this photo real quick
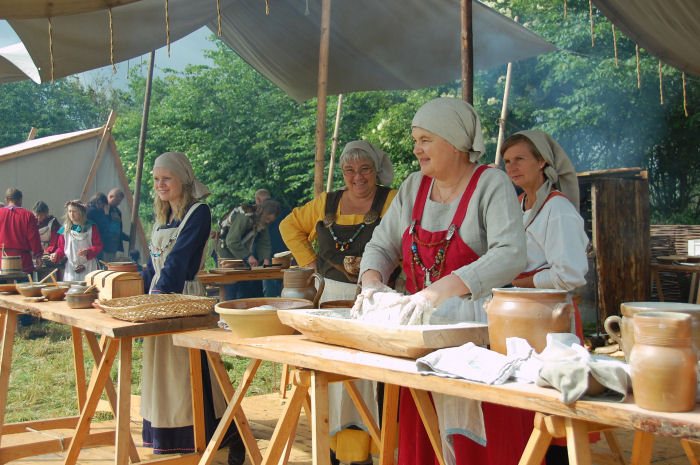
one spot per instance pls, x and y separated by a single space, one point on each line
448 235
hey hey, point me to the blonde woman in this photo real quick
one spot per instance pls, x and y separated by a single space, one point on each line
177 246
79 241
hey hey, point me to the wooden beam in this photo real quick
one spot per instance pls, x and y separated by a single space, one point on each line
32 133
106 134
321 94
467 52
334 143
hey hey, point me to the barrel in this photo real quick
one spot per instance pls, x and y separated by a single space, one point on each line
11 264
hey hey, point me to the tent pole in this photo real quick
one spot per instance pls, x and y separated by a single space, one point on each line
334 143
106 131
504 112
322 92
467 52
141 151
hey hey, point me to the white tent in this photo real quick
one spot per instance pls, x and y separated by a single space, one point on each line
60 167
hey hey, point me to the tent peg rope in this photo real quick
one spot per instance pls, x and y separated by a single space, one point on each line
661 84
218 16
639 74
111 42
167 27
51 46
617 64
685 103
267 7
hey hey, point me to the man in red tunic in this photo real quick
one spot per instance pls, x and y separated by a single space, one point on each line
19 233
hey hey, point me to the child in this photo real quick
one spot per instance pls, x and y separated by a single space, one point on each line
79 241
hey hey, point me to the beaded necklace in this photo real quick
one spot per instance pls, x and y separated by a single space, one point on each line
433 272
329 220
158 251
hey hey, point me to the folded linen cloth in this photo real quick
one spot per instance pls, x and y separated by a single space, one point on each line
567 366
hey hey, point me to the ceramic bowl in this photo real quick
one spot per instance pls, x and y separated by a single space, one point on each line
122 266
81 300
337 304
30 290
54 292
282 258
247 319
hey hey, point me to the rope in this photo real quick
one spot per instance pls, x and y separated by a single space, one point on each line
685 103
218 16
51 47
661 84
167 27
111 42
267 7
639 75
615 45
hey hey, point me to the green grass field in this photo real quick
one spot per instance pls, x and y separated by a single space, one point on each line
42 379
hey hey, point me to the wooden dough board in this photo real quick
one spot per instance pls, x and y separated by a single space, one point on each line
400 341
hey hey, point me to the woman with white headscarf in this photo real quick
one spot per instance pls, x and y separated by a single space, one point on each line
343 221
457 227
177 246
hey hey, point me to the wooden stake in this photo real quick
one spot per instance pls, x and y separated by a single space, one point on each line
321 95
467 52
32 133
504 112
615 45
590 14
685 102
661 84
565 10
639 75
334 143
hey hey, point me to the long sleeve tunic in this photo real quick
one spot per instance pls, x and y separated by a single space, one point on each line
492 228
92 251
241 244
19 235
183 261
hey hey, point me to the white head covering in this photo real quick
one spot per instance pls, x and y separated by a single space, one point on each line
382 163
559 172
180 166
455 121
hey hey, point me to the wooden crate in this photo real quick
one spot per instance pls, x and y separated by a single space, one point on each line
615 208
113 284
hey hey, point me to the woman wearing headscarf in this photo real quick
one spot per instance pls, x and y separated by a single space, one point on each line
343 222
554 229
458 229
178 241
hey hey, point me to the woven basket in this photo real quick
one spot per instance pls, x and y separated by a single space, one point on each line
157 306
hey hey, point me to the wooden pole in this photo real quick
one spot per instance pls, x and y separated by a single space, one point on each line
467 52
32 133
322 92
334 143
141 151
106 131
504 112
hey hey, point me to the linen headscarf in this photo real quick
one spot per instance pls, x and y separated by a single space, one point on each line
382 163
455 121
180 166
559 172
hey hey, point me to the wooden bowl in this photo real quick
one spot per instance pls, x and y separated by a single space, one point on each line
231 263
30 290
283 258
81 300
247 320
54 292
9 287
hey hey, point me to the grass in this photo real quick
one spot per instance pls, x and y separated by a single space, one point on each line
42 378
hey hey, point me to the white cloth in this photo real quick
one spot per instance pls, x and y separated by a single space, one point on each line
556 238
45 234
76 241
337 290
381 160
166 399
180 166
492 228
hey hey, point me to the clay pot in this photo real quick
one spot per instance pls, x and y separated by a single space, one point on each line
282 258
527 313
122 266
620 329
662 362
337 304
54 292
30 290
80 300
298 283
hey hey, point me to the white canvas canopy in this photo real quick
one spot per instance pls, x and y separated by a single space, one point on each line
668 29
57 168
17 65
374 45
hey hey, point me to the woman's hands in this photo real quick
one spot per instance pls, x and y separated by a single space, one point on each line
53 257
83 253
252 261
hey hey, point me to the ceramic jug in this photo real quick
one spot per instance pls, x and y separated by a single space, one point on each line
527 313
662 362
298 283
621 330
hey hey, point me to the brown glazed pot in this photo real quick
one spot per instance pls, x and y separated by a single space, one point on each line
337 304
621 329
662 362
527 313
298 283
122 266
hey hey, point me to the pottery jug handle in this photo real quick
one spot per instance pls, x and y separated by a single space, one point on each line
562 311
487 302
319 287
609 328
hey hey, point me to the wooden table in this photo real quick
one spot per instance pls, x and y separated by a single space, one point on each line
323 363
116 336
234 276
677 267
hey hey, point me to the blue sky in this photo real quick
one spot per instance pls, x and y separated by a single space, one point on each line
183 52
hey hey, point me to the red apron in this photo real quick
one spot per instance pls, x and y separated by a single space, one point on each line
507 428
578 324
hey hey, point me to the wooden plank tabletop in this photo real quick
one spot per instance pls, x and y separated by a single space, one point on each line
97 321
207 277
298 351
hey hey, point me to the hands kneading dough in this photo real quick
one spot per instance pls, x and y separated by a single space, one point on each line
382 305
